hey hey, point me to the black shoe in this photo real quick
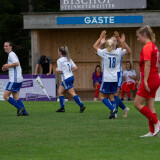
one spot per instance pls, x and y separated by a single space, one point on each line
129 99
60 110
82 109
112 114
122 99
20 111
25 114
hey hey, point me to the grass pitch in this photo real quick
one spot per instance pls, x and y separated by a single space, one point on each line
47 135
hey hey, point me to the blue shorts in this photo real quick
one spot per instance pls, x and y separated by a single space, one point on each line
120 78
68 83
108 87
14 87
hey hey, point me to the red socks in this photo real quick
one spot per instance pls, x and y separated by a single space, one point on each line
147 113
151 126
128 94
97 91
122 93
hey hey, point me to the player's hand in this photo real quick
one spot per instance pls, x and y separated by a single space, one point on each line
35 74
103 41
4 69
146 86
56 70
138 85
103 34
6 66
123 38
116 34
48 74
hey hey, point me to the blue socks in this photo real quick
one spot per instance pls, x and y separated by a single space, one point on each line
108 103
113 103
119 103
22 105
14 103
78 100
61 100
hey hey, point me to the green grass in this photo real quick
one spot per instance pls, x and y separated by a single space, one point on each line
47 135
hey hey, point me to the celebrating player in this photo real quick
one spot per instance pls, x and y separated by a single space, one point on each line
150 81
120 76
110 58
65 66
15 79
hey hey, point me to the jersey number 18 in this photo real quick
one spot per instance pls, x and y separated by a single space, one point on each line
112 62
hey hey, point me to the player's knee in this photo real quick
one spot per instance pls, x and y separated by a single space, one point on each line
101 97
59 93
6 97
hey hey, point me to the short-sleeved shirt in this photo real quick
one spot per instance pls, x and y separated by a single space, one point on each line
45 64
66 67
119 67
15 73
131 73
149 53
110 63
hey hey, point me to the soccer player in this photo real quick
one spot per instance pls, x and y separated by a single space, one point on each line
150 81
65 66
97 80
15 79
110 58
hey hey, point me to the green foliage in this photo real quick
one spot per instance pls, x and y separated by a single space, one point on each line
48 135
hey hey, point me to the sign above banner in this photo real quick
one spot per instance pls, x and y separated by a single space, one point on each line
99 20
67 5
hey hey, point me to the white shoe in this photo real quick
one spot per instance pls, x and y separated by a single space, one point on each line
147 135
95 99
156 128
125 112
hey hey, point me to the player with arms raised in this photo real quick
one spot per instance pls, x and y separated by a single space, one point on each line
110 59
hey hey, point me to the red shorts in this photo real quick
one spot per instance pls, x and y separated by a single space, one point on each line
153 84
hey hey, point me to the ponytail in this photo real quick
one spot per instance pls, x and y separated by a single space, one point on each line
65 52
148 31
110 45
14 47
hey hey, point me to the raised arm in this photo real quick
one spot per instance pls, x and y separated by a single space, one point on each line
128 50
98 42
121 44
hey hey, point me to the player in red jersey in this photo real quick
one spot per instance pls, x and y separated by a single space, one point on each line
150 81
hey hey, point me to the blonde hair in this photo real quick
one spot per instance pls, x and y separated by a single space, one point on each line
110 45
65 52
148 31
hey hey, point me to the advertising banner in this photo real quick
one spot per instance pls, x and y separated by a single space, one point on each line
67 5
34 88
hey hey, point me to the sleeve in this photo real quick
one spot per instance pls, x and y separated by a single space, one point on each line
147 52
50 60
13 58
125 73
122 51
59 65
134 73
72 64
100 52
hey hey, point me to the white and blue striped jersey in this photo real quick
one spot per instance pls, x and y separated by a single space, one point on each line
119 67
110 63
66 67
15 73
